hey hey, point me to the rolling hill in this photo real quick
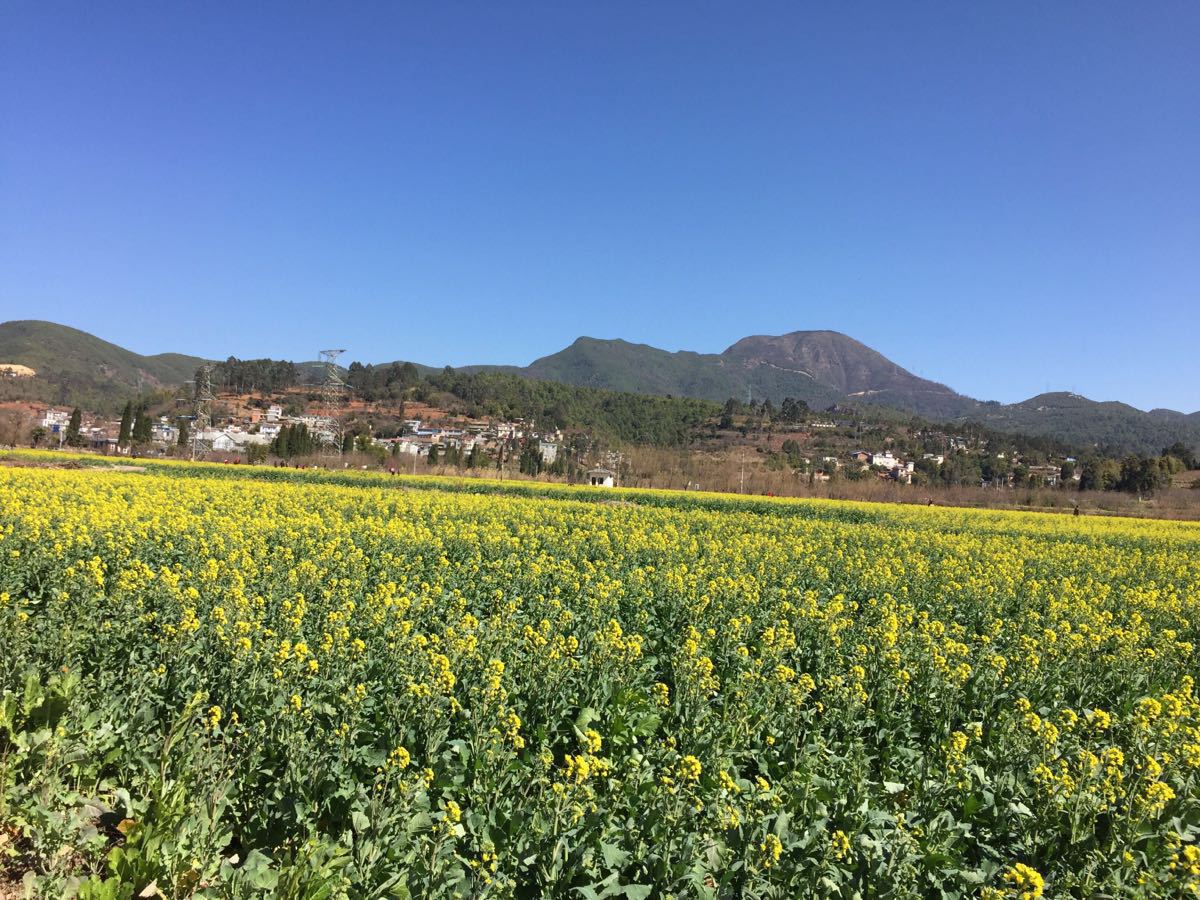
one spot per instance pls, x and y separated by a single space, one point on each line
825 367
77 368
820 367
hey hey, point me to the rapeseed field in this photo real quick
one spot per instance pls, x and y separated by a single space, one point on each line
216 684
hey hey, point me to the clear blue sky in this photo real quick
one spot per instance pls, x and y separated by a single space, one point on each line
1002 196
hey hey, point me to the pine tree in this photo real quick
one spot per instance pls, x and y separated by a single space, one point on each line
126 425
141 425
73 427
183 433
475 459
280 446
433 455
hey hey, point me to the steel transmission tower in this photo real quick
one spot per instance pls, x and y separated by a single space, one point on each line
334 397
202 418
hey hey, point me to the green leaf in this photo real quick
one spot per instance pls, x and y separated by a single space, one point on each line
613 855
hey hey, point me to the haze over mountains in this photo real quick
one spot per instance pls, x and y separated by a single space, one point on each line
819 367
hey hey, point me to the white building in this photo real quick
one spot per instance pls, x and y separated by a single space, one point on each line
163 431
884 459
54 419
274 412
549 451
602 477
231 441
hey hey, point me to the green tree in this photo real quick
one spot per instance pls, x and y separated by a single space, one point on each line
126 431
141 425
182 440
432 459
531 460
1099 474
1184 454
728 411
1066 473
73 427
281 445
476 459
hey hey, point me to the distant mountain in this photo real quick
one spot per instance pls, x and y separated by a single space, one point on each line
1079 421
77 368
622 366
851 368
826 367
820 367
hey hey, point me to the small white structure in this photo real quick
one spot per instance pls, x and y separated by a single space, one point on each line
274 413
54 419
602 477
885 459
549 451
163 431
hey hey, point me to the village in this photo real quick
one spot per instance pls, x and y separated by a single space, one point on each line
253 436
250 432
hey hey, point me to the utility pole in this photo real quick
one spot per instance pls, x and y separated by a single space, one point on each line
742 473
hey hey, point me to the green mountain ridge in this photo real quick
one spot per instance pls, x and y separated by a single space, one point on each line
822 368
77 368
827 367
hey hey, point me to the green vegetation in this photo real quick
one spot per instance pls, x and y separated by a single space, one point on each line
245 376
240 682
632 418
75 368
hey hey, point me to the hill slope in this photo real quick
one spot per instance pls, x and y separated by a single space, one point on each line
819 367
851 368
622 366
77 368
824 367
1115 427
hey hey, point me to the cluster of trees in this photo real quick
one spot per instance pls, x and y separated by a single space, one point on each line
475 458
245 376
294 440
790 412
1187 456
136 423
386 382
1133 474
615 415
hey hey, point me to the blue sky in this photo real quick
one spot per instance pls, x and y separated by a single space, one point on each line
1001 196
